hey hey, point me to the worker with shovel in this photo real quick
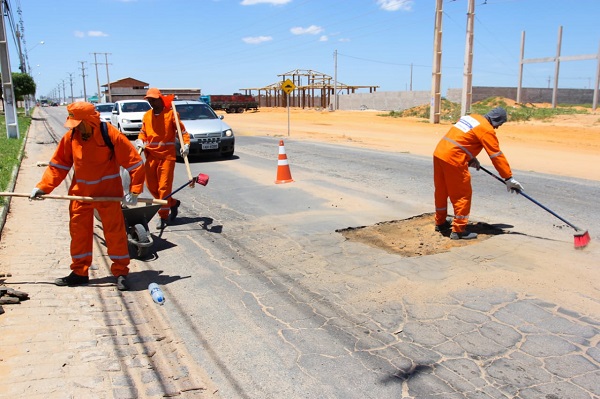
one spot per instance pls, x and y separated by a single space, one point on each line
157 139
96 174
455 152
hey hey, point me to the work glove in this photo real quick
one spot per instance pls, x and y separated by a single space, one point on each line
474 163
185 150
36 194
139 144
513 186
130 199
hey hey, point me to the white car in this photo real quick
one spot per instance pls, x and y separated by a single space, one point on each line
127 116
105 110
208 133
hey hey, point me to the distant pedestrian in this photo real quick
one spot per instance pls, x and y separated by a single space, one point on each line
452 157
157 138
96 174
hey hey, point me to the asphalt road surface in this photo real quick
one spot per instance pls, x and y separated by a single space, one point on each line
273 303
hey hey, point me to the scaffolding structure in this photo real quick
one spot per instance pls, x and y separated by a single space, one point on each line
313 90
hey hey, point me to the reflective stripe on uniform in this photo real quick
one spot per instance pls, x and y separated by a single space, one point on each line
79 256
161 144
64 167
129 169
459 146
102 179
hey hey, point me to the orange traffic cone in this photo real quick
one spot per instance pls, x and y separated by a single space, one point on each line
283 167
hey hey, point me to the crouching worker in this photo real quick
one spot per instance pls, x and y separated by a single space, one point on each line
455 152
96 165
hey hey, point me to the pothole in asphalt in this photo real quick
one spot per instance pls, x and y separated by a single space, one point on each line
415 236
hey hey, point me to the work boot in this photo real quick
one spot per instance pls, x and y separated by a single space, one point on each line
174 211
462 236
443 227
72 280
161 224
122 284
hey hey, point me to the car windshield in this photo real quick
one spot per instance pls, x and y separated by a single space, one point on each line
195 112
104 107
141 106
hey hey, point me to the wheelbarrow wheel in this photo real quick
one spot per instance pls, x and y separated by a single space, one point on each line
141 234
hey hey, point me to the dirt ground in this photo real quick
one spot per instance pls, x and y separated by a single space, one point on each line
566 145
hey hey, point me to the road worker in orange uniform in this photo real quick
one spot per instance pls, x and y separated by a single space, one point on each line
157 138
96 174
455 152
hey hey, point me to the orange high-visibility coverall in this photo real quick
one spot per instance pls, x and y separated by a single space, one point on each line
451 177
96 174
159 133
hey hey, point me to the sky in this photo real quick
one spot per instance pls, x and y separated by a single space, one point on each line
223 46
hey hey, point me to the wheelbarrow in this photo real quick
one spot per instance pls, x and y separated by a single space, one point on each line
136 225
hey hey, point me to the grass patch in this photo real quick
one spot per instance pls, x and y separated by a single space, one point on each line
516 112
10 148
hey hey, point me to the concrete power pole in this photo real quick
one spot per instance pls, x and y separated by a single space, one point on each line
97 78
335 94
436 74
71 83
467 89
10 105
83 76
107 78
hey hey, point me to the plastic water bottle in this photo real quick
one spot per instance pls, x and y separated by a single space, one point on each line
156 293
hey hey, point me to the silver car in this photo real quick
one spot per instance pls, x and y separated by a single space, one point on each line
208 133
105 110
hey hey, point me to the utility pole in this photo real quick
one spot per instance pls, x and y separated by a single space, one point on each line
83 76
335 96
109 99
97 78
10 106
467 89
71 83
436 74
64 93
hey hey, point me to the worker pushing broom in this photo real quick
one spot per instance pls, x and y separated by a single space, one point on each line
455 153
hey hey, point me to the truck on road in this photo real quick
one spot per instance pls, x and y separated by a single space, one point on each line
236 103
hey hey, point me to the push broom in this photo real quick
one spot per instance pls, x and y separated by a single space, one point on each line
581 237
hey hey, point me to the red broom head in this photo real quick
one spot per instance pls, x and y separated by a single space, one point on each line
582 239
202 179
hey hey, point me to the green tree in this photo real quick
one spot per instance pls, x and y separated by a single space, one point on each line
23 85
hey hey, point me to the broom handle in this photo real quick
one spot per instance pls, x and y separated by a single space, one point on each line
532 200
84 199
185 159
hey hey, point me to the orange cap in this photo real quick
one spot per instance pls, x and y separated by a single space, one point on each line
81 111
153 92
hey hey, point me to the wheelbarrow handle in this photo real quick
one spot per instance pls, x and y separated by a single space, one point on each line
84 199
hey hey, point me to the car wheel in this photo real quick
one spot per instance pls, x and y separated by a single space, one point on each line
240 110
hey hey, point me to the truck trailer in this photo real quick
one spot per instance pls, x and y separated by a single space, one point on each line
236 103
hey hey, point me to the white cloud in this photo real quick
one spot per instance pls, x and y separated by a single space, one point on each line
395 5
344 40
90 33
257 39
323 38
272 2
311 30
97 33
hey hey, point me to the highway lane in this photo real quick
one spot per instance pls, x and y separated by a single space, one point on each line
277 303
273 303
